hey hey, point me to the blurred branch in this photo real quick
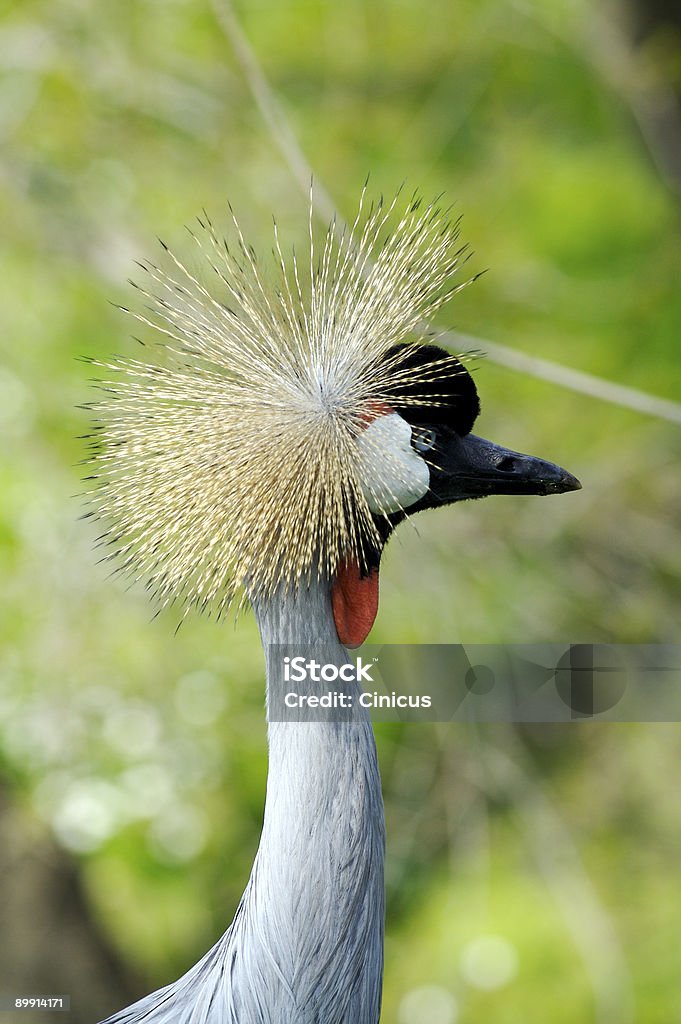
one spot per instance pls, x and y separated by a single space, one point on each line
270 108
324 207
571 379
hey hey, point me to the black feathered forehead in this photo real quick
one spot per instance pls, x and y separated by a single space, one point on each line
444 393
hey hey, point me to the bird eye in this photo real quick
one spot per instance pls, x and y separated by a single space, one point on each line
423 438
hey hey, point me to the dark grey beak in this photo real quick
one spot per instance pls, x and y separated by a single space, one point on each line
471 467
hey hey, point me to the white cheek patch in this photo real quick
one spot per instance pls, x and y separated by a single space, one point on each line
392 475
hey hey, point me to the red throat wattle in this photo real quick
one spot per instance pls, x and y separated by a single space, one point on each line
354 600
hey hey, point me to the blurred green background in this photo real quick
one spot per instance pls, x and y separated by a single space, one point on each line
533 874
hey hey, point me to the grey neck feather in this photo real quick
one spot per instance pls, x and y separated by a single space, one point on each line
306 943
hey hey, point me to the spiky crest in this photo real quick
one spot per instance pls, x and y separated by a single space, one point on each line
228 462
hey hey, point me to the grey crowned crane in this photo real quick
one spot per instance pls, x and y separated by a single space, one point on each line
265 451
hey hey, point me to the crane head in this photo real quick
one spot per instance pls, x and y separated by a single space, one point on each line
273 433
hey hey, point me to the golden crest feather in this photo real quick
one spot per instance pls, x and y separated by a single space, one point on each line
228 460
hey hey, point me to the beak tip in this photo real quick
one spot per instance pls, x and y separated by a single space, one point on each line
567 482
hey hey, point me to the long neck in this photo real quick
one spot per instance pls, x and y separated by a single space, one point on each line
306 943
314 905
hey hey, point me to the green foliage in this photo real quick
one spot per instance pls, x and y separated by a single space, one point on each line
144 750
